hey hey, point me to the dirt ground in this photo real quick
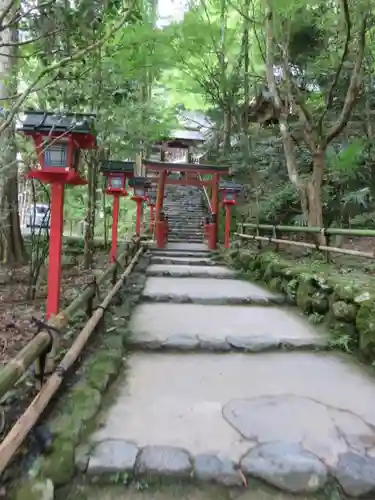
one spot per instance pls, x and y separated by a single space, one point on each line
178 492
16 328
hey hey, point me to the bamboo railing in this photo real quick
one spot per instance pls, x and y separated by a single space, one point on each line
274 237
26 422
17 366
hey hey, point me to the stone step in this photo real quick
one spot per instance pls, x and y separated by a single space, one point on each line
185 270
218 328
161 252
186 247
207 291
188 260
282 417
185 234
173 239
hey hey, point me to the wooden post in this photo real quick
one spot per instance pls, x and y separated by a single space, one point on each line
227 226
159 224
215 208
115 211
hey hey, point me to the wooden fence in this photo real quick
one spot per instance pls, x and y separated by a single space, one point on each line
259 233
43 341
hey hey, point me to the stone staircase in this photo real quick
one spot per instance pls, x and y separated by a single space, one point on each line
184 207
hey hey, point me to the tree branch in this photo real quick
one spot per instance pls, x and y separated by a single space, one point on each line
59 64
353 89
344 55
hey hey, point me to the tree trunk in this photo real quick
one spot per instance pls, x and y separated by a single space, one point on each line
314 193
11 243
89 223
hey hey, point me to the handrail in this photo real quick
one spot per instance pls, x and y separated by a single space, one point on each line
334 231
208 201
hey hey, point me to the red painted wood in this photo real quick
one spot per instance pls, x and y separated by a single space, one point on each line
115 212
227 225
152 219
198 168
55 249
138 220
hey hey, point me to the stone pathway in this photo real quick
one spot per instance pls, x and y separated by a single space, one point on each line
195 403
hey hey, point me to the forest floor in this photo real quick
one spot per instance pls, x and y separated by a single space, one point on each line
16 311
357 267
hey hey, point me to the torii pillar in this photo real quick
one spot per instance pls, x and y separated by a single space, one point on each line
215 212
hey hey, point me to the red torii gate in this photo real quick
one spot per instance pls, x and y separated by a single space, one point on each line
192 172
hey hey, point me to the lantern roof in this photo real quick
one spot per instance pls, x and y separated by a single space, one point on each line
117 167
139 182
230 186
45 121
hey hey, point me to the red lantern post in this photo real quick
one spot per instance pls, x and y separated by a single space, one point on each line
116 172
58 141
229 191
140 186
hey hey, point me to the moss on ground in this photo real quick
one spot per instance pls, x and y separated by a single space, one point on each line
182 491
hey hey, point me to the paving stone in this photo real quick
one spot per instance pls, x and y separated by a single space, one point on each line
163 461
166 260
181 271
213 344
213 324
182 342
186 246
356 474
220 470
252 344
220 403
287 466
207 291
111 456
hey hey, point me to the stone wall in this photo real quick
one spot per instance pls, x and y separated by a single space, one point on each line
345 303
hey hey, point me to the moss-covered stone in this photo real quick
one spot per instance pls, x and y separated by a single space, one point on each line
58 466
341 328
275 284
346 291
319 303
36 490
291 290
365 324
102 368
304 296
344 311
74 411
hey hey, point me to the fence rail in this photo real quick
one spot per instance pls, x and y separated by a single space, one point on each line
274 237
17 366
29 418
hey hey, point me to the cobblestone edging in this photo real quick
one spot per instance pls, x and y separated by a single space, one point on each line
288 467
250 344
74 414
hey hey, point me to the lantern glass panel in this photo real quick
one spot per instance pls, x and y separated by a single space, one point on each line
139 191
56 155
229 196
116 182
